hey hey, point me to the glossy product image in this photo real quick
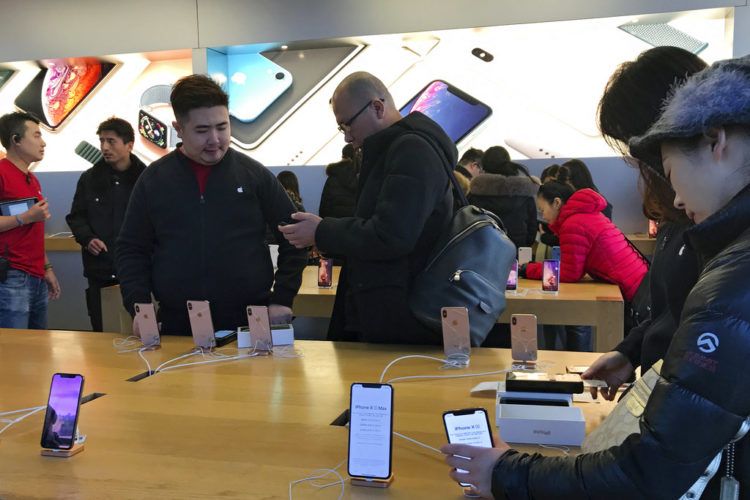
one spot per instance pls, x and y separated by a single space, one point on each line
201 325
523 339
145 325
455 111
470 426
61 417
60 87
325 273
253 83
259 326
456 333
512 283
551 275
370 430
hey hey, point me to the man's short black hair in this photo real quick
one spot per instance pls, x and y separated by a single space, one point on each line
470 156
120 127
196 91
13 125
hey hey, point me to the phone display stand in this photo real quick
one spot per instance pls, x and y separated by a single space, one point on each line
74 450
371 483
529 366
50 452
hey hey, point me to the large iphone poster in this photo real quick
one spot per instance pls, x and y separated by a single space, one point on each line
532 88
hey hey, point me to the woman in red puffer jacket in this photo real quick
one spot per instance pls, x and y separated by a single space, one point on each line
589 241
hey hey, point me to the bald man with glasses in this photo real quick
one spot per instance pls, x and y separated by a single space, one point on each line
404 202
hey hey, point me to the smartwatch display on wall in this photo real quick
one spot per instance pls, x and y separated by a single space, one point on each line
150 127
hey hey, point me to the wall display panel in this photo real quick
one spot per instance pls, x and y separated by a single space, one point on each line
532 88
72 96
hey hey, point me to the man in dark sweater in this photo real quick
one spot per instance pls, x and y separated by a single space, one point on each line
195 226
404 203
99 208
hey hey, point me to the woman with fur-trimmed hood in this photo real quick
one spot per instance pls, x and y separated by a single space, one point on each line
507 190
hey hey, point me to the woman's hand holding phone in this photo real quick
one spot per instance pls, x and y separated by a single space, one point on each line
478 462
614 368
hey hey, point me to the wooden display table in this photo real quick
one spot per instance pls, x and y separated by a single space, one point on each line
237 429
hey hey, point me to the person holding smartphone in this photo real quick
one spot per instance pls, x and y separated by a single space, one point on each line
698 410
404 201
27 280
589 241
98 209
629 106
196 222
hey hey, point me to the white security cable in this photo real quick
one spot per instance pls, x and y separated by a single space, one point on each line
325 472
462 375
191 353
564 449
208 361
140 353
411 356
10 423
417 442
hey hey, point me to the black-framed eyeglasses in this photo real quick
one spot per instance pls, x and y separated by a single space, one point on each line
343 127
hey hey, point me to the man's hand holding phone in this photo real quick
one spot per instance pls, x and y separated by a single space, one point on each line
614 368
39 212
96 246
301 233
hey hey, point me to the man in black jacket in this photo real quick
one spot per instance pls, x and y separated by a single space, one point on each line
99 207
339 196
404 202
196 223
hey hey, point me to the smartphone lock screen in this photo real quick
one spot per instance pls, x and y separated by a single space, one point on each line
370 430
455 111
60 87
61 418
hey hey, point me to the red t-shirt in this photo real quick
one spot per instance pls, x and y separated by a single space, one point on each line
201 172
25 244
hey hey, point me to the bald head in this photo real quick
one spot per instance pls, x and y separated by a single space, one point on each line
363 106
362 86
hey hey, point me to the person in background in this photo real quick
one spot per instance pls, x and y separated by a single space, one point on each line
291 186
699 407
27 280
195 225
580 178
506 189
549 173
98 209
589 241
339 197
470 164
404 202
629 106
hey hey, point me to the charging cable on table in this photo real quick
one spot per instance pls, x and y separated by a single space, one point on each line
12 421
325 472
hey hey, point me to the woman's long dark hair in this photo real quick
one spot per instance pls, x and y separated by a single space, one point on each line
561 187
631 103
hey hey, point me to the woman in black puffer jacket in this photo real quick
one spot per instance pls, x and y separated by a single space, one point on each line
506 190
703 396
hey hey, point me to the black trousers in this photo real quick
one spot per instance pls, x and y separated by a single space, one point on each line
94 301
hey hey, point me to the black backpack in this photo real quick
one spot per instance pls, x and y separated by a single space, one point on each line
468 267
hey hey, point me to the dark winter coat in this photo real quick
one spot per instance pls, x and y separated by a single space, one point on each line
694 410
673 273
183 245
339 196
513 199
403 205
98 209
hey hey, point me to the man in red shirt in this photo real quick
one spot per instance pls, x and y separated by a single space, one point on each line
27 280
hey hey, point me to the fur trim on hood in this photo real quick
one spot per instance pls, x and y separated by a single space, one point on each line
500 185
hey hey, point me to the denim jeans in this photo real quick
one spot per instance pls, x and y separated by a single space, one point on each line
23 301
